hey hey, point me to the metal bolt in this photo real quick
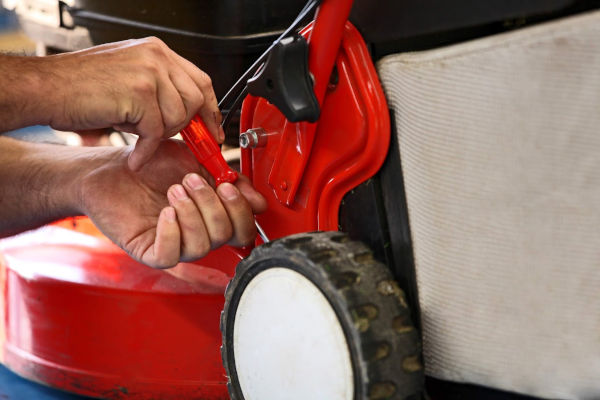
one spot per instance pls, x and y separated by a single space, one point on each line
244 141
252 138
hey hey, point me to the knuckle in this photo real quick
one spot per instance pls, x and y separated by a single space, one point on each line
196 100
204 195
153 47
180 118
205 81
154 42
175 120
153 39
196 251
144 86
200 100
202 249
221 233
150 67
162 262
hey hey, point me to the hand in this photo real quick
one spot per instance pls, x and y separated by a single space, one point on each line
139 86
168 211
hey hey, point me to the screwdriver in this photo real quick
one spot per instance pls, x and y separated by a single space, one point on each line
204 146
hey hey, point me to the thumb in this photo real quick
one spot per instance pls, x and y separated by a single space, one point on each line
143 151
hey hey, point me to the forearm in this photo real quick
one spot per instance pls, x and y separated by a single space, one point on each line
40 183
27 92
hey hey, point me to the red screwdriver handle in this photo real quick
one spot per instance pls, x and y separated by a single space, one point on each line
204 146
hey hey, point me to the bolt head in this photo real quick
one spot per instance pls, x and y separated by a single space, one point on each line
244 140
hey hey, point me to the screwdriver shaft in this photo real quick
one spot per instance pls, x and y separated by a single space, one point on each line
261 232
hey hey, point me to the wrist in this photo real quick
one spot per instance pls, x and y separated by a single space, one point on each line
66 173
27 92
48 87
100 170
45 182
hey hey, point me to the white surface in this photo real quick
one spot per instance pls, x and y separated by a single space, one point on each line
43 12
500 148
288 343
9 4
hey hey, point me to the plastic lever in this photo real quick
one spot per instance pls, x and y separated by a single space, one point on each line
285 81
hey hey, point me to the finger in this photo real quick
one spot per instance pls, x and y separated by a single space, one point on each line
191 97
150 130
164 253
171 103
212 116
195 242
209 112
142 152
215 217
256 200
240 214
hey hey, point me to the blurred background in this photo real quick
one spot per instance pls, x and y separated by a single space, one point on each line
12 39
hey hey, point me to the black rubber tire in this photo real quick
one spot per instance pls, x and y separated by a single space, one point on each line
384 345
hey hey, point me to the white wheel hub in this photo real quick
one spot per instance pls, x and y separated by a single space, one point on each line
288 342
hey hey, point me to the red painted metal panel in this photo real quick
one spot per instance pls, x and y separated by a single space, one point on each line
81 315
324 38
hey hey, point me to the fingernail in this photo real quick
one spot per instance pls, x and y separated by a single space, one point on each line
221 134
169 214
194 181
179 192
228 191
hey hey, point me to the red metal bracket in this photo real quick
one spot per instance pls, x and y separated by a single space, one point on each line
295 147
305 169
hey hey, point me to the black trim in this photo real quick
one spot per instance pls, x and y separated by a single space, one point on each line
396 211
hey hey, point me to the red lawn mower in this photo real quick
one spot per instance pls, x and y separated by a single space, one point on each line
428 168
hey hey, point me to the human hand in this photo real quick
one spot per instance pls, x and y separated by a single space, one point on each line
139 86
168 211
